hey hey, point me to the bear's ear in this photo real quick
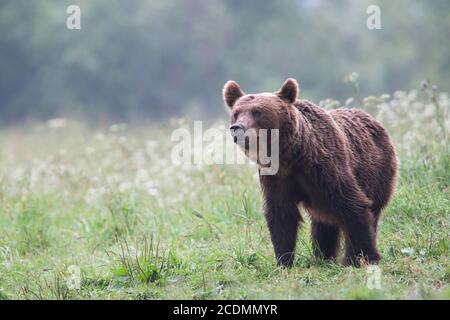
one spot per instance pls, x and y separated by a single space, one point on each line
289 90
231 92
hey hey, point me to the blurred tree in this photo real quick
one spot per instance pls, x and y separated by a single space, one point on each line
155 59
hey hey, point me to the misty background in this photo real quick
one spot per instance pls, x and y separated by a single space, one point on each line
152 60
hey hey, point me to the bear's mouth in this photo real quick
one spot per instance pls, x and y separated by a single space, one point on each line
248 145
256 148
244 142
242 136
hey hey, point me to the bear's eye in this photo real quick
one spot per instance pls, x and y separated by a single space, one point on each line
256 113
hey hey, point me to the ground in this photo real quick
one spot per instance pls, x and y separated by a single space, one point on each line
110 203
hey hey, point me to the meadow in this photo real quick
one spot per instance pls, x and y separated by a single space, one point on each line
109 203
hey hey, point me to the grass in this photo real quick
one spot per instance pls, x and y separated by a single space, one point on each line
111 203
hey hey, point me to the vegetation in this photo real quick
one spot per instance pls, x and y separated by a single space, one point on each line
110 202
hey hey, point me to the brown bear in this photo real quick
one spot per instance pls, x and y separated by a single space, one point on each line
339 164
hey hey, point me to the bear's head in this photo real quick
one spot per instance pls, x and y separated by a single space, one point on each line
262 110
252 112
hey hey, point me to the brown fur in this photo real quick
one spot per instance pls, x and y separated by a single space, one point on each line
340 164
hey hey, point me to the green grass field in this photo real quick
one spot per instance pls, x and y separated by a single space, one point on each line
110 202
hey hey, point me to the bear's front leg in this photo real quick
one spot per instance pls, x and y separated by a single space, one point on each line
283 224
282 217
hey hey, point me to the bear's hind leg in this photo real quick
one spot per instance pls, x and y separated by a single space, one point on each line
376 218
325 240
360 238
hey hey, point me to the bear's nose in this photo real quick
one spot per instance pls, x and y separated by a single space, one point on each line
236 126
